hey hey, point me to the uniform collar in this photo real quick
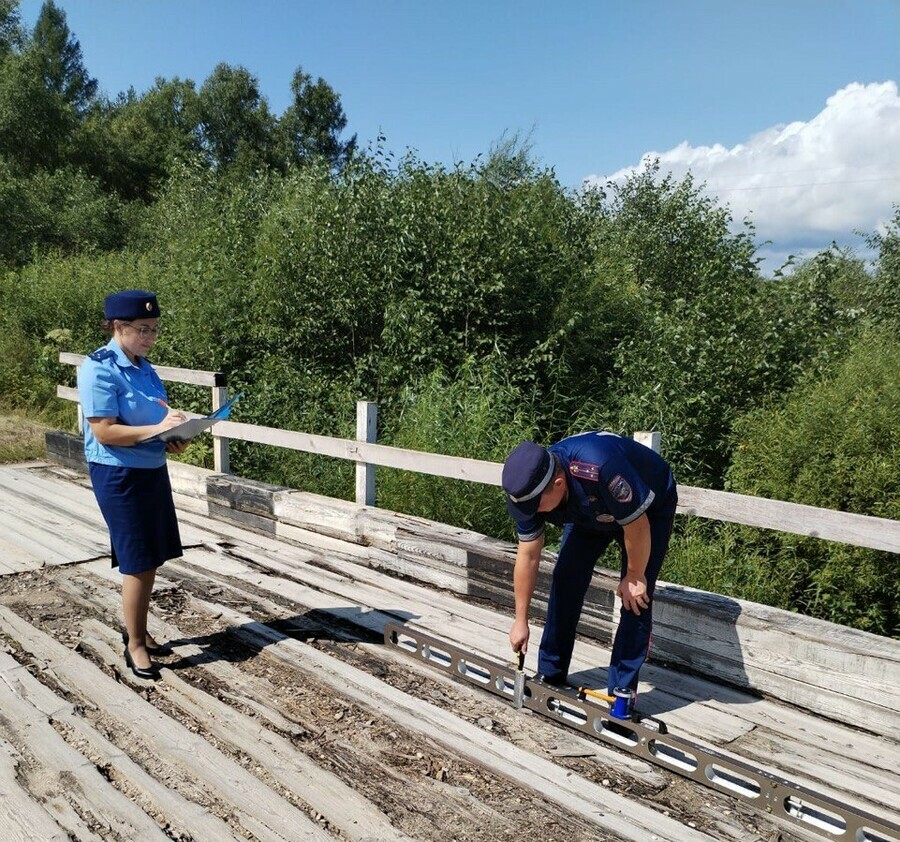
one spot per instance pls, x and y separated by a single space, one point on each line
121 357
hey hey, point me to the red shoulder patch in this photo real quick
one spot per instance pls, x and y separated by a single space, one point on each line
584 470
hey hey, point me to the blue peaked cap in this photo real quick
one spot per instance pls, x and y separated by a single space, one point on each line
526 473
131 304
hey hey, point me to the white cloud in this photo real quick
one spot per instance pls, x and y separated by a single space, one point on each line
806 183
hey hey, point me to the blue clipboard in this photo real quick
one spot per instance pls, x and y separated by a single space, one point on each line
194 426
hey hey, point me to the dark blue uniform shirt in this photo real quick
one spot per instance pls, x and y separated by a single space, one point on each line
612 481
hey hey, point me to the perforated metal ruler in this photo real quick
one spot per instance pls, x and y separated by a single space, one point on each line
649 739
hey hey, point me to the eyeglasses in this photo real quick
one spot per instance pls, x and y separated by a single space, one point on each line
144 331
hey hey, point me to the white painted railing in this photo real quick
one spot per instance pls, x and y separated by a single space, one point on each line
830 525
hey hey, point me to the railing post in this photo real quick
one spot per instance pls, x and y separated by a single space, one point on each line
366 431
651 440
221 459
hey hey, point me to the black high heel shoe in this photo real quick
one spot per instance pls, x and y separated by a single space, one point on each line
162 650
141 672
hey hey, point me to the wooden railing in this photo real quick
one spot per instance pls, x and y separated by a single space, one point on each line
830 525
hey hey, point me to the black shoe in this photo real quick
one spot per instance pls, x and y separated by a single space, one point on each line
152 672
558 681
162 650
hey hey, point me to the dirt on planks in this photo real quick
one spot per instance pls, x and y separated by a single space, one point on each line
425 790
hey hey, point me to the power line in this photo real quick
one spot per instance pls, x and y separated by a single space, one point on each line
808 184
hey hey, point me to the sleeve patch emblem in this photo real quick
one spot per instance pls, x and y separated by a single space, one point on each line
584 470
620 489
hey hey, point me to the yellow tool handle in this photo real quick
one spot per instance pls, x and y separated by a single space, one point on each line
588 691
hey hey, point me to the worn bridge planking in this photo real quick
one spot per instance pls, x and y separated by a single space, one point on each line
347 566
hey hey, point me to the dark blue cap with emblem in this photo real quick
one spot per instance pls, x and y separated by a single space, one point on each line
131 304
526 473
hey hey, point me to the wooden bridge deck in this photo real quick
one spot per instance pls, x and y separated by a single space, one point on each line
281 716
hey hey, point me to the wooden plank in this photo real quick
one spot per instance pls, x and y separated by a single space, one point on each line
852 775
799 659
719 726
22 819
174 375
860 530
474 470
64 509
344 808
14 559
259 809
397 565
179 815
366 431
51 538
350 600
189 480
57 508
608 810
44 548
61 770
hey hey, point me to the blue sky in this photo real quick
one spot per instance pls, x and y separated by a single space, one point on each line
596 85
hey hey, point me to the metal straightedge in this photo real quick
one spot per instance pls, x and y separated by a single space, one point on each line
648 739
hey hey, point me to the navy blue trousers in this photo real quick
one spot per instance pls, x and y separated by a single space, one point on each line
578 553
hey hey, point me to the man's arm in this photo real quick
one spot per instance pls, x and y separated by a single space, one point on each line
528 558
632 589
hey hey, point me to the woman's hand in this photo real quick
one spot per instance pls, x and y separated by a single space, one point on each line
173 419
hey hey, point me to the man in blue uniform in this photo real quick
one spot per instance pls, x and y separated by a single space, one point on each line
600 487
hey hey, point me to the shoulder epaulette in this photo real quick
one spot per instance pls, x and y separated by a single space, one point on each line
584 470
101 354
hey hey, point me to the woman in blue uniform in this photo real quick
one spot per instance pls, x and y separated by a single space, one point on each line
123 402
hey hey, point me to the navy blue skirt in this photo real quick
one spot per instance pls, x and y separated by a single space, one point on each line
138 508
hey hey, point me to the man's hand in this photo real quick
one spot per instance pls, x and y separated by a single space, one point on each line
518 636
177 446
632 591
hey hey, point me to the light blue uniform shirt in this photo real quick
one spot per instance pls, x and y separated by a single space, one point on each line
111 386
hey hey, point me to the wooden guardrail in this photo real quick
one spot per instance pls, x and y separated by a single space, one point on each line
830 525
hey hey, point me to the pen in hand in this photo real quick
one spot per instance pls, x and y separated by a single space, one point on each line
174 413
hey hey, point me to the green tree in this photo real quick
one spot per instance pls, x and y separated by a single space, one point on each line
234 119
833 442
64 209
12 35
883 299
691 362
59 55
131 143
312 124
35 122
